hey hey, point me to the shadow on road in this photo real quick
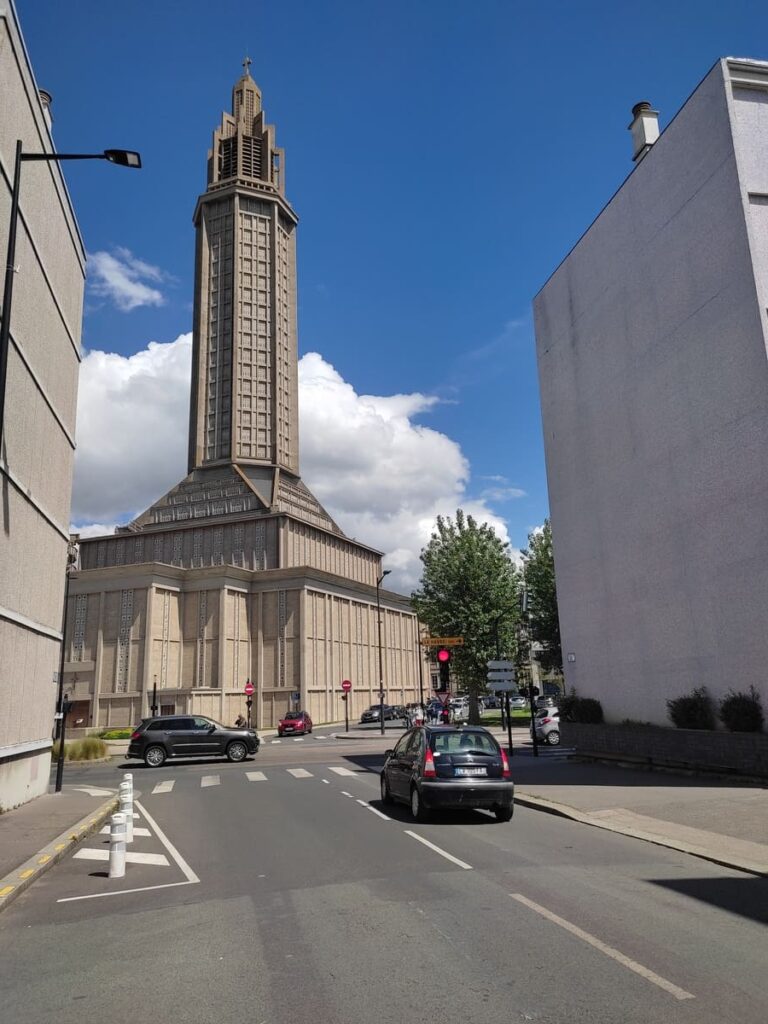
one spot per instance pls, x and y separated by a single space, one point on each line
746 896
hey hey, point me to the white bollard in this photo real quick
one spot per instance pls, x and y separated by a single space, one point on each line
128 777
117 846
126 807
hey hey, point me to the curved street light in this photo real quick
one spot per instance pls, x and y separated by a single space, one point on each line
121 157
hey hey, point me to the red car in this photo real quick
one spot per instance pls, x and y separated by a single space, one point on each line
295 723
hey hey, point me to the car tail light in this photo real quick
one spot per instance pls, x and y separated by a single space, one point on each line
505 772
135 735
429 766
546 721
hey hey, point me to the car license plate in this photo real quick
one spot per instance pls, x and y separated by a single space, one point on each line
470 771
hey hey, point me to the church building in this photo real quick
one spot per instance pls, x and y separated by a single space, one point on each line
238 573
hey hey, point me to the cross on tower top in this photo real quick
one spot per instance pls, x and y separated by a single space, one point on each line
246 65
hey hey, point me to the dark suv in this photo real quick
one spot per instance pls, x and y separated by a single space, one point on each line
156 739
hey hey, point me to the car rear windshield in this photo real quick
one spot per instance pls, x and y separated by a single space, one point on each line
292 714
462 740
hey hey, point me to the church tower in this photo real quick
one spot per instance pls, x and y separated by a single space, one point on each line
244 404
237 572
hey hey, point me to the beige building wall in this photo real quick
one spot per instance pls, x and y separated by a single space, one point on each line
201 634
38 441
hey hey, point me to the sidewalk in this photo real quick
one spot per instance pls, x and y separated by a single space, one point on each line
721 821
36 835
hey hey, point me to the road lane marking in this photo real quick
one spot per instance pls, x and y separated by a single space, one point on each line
299 773
326 782
377 812
298 739
614 954
275 741
164 787
210 780
27 873
321 737
341 771
256 776
6 890
189 874
345 793
437 849
158 859
92 791
136 831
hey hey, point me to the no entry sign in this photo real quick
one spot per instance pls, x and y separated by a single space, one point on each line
248 688
346 685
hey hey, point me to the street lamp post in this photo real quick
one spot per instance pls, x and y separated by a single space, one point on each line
122 157
386 572
62 704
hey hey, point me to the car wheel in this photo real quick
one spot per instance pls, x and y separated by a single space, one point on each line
154 757
386 796
237 751
418 810
279 733
553 738
504 813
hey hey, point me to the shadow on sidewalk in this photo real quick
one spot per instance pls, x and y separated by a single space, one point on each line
745 896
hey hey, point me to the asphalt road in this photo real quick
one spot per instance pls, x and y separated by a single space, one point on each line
293 896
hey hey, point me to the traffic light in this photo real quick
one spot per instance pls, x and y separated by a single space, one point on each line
444 665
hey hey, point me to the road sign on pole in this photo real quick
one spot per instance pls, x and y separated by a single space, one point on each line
346 685
442 641
248 688
510 676
509 686
500 666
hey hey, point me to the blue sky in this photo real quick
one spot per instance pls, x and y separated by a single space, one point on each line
443 157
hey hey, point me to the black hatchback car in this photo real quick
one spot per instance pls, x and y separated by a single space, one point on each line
444 767
157 739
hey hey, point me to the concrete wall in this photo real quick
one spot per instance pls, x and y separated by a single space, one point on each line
654 383
38 441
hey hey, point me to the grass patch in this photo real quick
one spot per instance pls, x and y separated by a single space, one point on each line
494 717
89 749
116 734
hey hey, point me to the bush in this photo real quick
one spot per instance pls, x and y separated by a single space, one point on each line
742 712
586 710
116 734
693 710
89 749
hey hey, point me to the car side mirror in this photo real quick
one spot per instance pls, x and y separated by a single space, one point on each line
388 753
211 728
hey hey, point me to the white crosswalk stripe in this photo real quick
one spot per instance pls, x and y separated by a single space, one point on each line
158 859
164 787
256 776
136 831
210 780
299 773
341 771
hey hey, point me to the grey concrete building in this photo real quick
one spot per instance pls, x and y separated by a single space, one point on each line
238 573
651 338
39 425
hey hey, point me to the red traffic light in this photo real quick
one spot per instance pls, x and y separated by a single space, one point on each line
443 655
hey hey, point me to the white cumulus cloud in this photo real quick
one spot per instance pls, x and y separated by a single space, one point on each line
121 277
383 476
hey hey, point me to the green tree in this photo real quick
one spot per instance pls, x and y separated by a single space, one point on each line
469 588
542 598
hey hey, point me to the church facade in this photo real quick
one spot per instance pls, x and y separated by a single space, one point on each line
238 573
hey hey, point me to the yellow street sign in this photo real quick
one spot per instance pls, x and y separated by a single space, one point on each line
443 641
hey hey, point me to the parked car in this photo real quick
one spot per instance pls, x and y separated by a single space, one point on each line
491 701
517 702
374 712
295 722
156 739
445 767
545 702
547 725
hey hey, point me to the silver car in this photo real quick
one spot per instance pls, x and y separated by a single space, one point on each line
547 726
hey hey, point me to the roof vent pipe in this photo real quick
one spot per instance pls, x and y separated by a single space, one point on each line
644 128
